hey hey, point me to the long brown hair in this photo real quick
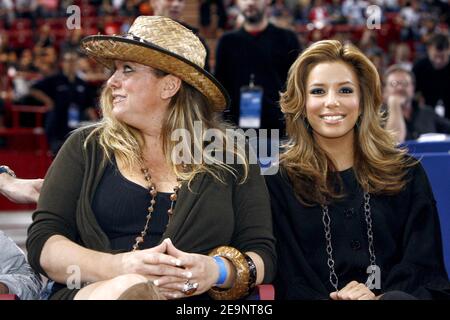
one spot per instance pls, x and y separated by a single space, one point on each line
379 165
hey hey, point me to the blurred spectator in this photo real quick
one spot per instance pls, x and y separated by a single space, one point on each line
118 4
72 40
336 14
69 99
234 17
47 8
106 8
388 5
7 13
300 12
369 43
110 25
428 27
6 53
409 19
24 73
318 14
377 58
411 14
444 11
46 60
25 8
258 54
173 9
91 72
402 56
45 37
436 67
406 118
280 15
354 11
16 275
205 16
130 8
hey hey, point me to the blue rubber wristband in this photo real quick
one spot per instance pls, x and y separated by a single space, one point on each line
222 271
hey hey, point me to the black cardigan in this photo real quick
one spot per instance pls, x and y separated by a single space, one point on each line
407 240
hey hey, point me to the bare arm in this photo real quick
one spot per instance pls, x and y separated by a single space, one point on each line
44 98
59 256
60 253
396 121
20 190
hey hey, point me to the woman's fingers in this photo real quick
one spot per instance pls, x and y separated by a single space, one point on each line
356 292
171 294
367 296
174 286
164 270
334 295
161 248
160 258
165 280
341 294
184 259
353 291
173 251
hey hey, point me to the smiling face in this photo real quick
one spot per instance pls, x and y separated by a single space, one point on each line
332 101
136 93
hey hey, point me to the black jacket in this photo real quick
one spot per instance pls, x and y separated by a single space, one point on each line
268 56
406 231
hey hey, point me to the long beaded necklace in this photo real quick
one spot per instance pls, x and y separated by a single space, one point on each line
153 192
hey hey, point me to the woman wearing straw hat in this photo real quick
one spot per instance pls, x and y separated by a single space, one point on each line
120 216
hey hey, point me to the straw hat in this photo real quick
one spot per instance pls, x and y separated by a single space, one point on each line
163 44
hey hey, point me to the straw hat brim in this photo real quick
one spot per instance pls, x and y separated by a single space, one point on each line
105 49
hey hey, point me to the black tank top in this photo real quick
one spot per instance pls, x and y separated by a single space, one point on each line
120 207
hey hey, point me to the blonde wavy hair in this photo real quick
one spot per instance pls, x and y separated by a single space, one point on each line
379 166
187 106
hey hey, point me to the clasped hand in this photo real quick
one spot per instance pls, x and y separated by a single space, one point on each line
353 291
170 268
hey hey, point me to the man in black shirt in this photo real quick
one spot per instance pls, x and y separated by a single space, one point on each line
69 99
433 73
405 117
260 55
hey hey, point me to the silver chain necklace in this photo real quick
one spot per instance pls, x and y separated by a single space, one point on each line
326 223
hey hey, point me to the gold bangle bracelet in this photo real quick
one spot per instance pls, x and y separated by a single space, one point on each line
240 288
